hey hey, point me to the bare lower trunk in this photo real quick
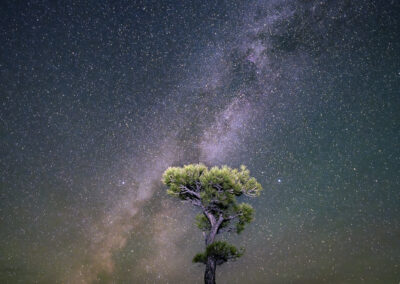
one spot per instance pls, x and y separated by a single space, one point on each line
209 276
211 265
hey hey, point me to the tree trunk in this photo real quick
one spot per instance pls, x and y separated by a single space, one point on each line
211 265
211 235
215 224
209 276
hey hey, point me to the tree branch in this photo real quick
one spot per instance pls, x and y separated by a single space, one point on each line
220 220
233 216
251 193
212 206
186 190
198 186
218 187
210 217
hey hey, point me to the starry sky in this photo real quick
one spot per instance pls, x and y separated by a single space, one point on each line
98 98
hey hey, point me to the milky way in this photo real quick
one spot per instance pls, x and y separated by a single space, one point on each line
98 99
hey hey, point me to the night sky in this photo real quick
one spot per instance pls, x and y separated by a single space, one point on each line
98 98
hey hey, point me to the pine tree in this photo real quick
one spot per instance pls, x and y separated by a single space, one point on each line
215 192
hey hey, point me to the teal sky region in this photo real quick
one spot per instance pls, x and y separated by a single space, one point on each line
98 98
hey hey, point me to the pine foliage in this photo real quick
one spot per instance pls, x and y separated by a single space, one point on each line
221 251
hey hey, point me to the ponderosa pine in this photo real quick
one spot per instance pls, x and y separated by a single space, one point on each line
215 192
